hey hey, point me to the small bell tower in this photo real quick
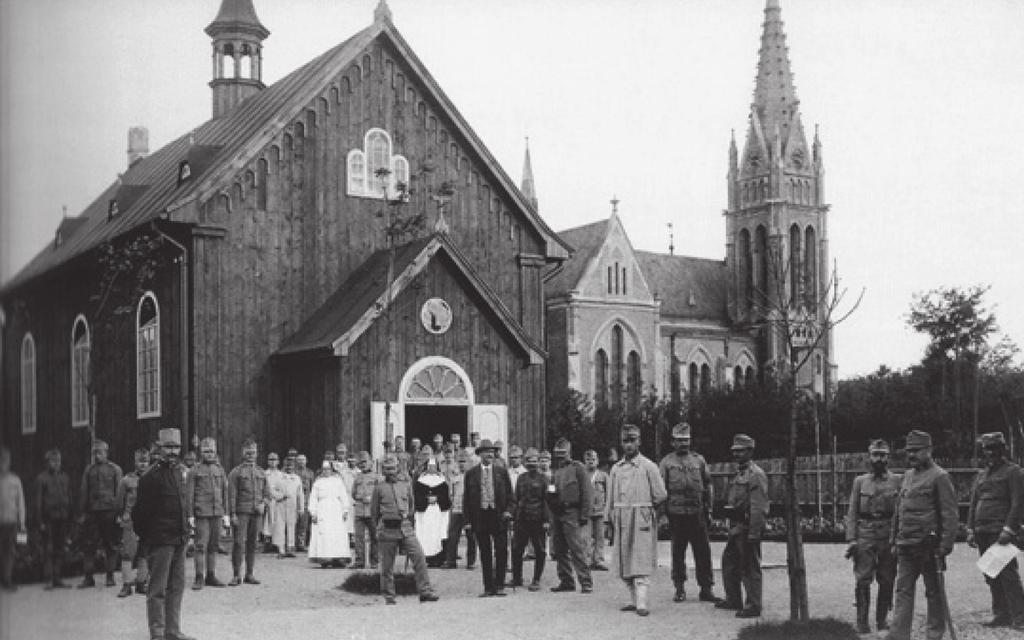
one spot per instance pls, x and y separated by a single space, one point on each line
238 37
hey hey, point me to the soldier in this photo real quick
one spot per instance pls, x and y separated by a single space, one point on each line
532 518
635 490
131 550
593 531
302 527
365 527
98 513
403 457
688 483
12 518
868 529
994 518
53 508
456 520
747 508
247 500
160 518
923 531
570 502
515 464
391 508
206 488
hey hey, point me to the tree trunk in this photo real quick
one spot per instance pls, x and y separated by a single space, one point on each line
798 609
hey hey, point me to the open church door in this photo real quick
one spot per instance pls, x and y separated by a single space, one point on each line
491 421
379 419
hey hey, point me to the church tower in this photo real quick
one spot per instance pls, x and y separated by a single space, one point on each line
238 37
776 220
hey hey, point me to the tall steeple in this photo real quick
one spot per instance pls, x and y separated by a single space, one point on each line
775 100
238 37
528 187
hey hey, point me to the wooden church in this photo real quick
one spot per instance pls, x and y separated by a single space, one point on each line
332 258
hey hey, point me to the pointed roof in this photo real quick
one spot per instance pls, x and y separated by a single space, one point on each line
775 100
690 288
358 302
528 187
587 241
237 15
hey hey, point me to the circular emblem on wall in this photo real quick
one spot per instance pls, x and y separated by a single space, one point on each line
436 316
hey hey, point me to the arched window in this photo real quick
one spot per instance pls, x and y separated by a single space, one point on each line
28 384
705 378
795 275
737 378
399 173
634 386
147 356
80 345
356 172
378 156
746 270
624 292
750 377
694 378
366 165
761 252
262 174
616 367
811 269
609 279
601 378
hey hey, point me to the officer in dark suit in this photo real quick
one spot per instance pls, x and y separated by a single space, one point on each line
160 519
487 505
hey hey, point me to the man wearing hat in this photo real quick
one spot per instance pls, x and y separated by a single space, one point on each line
487 506
994 518
456 519
98 513
747 508
160 519
570 504
689 510
635 490
923 528
247 500
532 519
365 530
392 510
868 529
207 492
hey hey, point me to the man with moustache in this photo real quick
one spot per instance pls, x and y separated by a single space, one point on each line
532 517
570 504
365 529
207 491
923 531
247 500
868 528
487 506
131 551
98 513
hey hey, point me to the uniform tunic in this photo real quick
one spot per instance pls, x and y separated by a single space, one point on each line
634 489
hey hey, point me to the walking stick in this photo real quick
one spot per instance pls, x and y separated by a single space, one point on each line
940 572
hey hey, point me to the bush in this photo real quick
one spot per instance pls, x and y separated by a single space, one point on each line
814 629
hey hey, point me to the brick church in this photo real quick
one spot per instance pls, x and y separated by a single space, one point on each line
335 257
622 323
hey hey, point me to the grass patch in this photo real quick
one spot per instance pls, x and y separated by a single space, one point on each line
814 629
368 584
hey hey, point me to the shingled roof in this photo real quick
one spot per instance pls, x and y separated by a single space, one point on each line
689 288
586 242
219 146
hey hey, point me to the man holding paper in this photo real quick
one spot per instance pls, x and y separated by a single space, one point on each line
994 518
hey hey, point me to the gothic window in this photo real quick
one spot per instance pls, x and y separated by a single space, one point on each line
623 280
633 382
811 269
795 275
28 384
694 378
374 166
737 377
147 357
616 367
80 345
746 269
616 277
601 378
609 279
761 253
749 375
261 184
705 378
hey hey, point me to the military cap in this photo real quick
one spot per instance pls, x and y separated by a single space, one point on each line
499 445
390 462
994 439
561 445
742 441
169 437
878 445
485 444
515 450
463 455
99 444
918 440
531 452
208 443
630 430
364 456
681 430
545 454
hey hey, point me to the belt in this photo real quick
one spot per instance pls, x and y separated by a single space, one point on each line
627 505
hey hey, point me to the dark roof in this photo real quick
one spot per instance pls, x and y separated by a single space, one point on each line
349 304
217 147
237 15
693 288
586 241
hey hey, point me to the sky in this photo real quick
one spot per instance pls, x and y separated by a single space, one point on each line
917 101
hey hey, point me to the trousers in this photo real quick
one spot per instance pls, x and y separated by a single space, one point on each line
101 531
593 541
690 529
1007 594
567 544
245 542
166 587
207 543
389 548
741 566
54 538
492 537
915 561
527 532
365 532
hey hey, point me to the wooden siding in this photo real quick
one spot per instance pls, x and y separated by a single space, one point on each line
327 400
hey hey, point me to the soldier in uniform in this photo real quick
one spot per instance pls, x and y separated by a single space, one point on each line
302 526
635 491
688 483
923 529
53 508
994 518
160 518
456 520
747 508
532 520
206 488
593 531
247 500
391 508
570 504
131 550
868 529
99 512
364 526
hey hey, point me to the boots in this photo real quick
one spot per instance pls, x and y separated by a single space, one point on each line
632 598
126 590
680 595
863 603
882 607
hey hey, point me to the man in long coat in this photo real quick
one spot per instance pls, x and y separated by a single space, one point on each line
635 489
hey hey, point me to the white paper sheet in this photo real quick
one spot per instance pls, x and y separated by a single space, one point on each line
996 557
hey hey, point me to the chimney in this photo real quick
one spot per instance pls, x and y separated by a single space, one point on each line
138 144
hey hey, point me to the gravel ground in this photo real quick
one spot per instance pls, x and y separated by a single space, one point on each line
299 600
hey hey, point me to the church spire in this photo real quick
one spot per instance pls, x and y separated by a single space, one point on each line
238 36
775 101
382 13
528 187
